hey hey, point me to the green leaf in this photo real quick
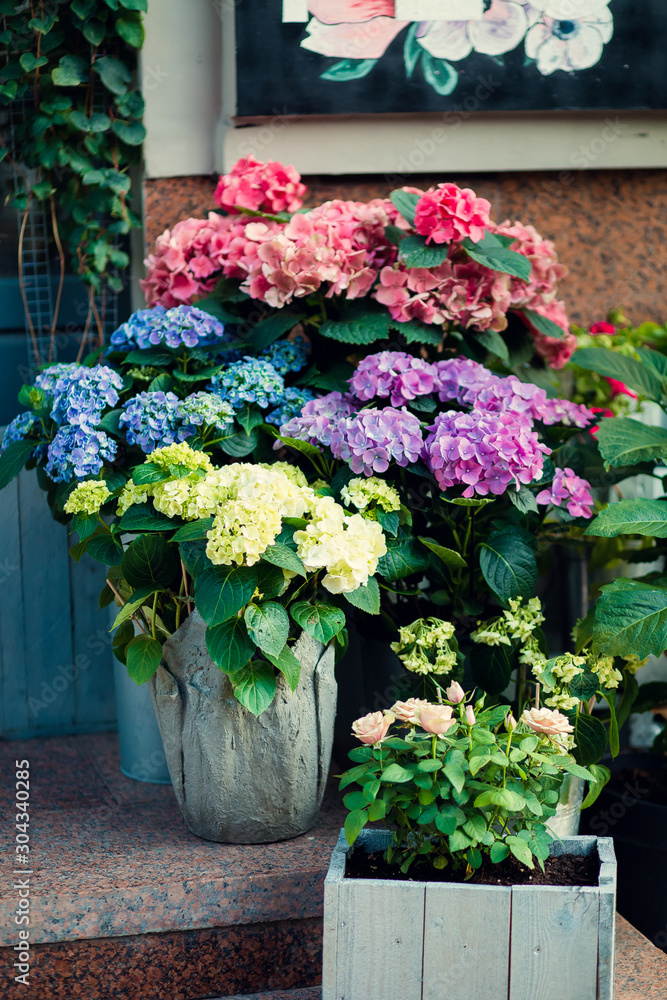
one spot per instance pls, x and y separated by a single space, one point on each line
455 774
458 841
523 499
446 823
284 557
499 851
631 619
508 565
321 621
543 325
349 69
113 73
364 328
289 665
623 441
440 74
578 771
631 517
468 501
268 625
131 133
194 556
451 559
275 325
85 525
140 517
222 591
366 598
131 607
270 581
416 252
354 824
313 453
590 738
103 548
418 333
254 686
601 776
405 202
131 30
229 645
584 685
249 417
94 31
403 557
150 560
14 458
490 253
193 531
238 445
492 342
30 62
654 360
491 667
70 72
520 850
631 372
396 773
143 656
148 473
134 5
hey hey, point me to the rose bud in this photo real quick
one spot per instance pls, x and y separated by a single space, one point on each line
372 728
510 723
436 719
546 720
470 715
455 693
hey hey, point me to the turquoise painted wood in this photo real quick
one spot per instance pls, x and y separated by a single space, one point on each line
56 665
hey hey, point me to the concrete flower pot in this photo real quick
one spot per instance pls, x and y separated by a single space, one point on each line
440 941
241 779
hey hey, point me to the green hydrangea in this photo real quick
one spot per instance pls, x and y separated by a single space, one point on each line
368 494
427 646
87 498
180 454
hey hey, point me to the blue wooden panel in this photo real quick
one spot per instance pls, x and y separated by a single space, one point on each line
91 646
13 706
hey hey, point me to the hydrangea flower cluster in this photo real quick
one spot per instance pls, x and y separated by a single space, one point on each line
424 646
571 489
267 187
180 326
371 439
81 394
394 374
369 495
18 429
287 355
519 622
291 405
347 546
78 452
87 498
319 418
152 419
250 380
448 212
483 450
47 378
205 408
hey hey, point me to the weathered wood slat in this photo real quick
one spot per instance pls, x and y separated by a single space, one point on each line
91 646
14 704
466 942
607 934
554 943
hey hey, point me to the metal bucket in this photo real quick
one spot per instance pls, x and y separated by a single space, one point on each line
142 754
568 811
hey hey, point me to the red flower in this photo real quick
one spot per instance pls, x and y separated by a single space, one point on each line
620 389
607 328
605 413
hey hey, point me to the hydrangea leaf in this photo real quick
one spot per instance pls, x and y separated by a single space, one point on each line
254 685
289 665
150 560
222 591
631 618
366 598
268 626
623 441
629 517
142 658
634 374
229 645
508 565
321 621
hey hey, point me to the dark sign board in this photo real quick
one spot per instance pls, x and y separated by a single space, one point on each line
341 57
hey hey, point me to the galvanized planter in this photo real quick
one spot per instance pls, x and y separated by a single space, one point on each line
241 779
436 941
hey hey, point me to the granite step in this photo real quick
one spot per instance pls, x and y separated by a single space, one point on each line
313 994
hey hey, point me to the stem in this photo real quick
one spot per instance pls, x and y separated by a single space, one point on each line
122 604
31 326
154 614
61 282
185 585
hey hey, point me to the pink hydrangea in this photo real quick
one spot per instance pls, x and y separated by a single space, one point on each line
483 451
410 294
319 418
448 213
394 374
371 439
545 270
571 489
555 351
266 187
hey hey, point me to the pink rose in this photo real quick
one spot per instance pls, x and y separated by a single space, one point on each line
436 719
599 328
404 711
547 720
455 693
449 212
470 715
372 728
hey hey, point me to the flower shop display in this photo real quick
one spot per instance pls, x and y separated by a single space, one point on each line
466 862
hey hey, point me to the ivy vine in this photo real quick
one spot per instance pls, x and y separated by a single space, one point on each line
68 77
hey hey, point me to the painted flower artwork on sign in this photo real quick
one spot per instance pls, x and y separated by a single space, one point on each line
556 35
333 57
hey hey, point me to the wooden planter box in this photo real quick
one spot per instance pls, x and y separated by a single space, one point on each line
435 941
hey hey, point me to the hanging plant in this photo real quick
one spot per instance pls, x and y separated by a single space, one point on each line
68 77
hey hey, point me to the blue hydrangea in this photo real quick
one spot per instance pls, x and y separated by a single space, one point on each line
80 395
182 325
78 453
287 355
152 420
251 380
205 408
47 379
18 429
290 406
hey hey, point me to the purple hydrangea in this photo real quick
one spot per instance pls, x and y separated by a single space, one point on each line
576 493
80 395
291 405
182 325
563 411
18 429
319 418
77 453
461 379
394 374
371 439
483 451
287 355
152 420
251 380
205 408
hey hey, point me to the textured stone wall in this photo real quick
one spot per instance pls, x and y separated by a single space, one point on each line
610 226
